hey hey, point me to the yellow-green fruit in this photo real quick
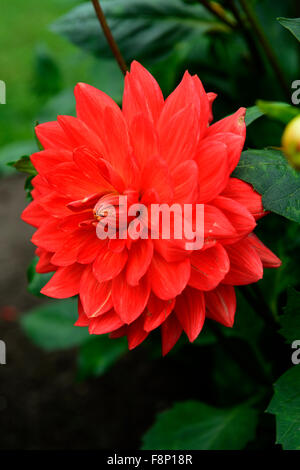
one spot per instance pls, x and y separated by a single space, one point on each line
291 142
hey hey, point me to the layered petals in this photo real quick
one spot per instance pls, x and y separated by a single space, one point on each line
209 267
141 94
168 279
245 264
221 304
269 260
129 302
244 194
96 297
190 311
213 169
64 283
172 170
171 331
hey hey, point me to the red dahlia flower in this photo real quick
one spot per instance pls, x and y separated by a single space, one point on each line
155 151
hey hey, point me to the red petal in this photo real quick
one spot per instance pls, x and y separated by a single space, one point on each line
190 311
119 332
157 312
136 333
119 146
269 260
171 250
185 182
168 279
83 320
96 297
234 144
44 264
211 98
221 304
139 259
209 267
90 106
204 105
185 94
213 170
129 302
216 225
235 123
170 333
111 175
141 94
244 194
80 245
80 134
178 136
68 180
245 264
106 323
91 247
64 283
49 236
156 176
51 136
67 253
45 160
109 264
144 139
54 204
74 221
34 214
238 215
87 162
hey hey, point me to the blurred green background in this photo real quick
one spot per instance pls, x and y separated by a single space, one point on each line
40 69
53 390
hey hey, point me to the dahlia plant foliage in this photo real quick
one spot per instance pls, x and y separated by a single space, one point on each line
153 151
157 205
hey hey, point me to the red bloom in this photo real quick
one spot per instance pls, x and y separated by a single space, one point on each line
154 151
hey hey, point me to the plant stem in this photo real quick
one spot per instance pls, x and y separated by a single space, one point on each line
110 39
258 30
246 33
218 11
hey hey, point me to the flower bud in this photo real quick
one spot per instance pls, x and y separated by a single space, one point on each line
291 142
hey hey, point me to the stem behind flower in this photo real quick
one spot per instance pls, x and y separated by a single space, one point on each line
269 52
110 39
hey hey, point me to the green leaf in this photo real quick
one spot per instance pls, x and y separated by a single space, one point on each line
47 78
292 24
36 281
28 188
51 325
193 425
252 114
98 354
290 321
285 405
270 174
10 152
24 165
142 28
283 112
